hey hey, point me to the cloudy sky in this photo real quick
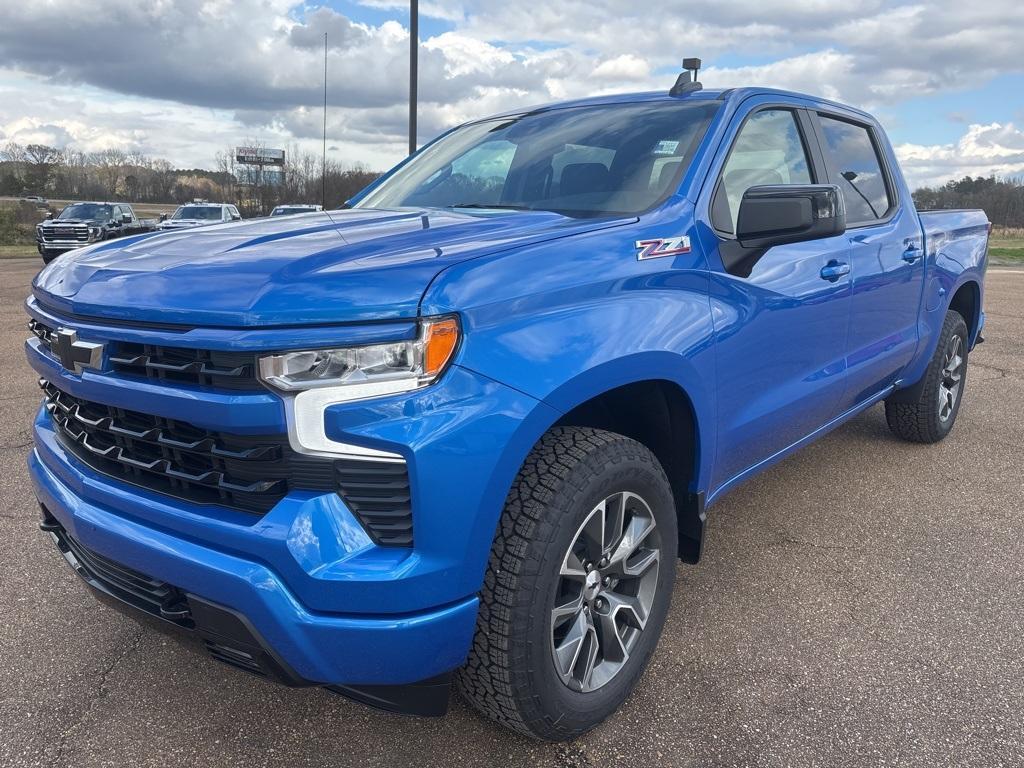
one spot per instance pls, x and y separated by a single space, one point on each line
182 79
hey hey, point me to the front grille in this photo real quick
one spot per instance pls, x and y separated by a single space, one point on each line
174 365
176 458
211 368
250 474
42 332
378 494
53 232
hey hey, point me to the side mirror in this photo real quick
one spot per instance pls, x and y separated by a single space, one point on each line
163 217
790 213
126 218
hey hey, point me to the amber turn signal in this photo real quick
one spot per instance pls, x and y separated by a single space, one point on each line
440 337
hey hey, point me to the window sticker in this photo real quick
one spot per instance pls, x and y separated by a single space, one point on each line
665 147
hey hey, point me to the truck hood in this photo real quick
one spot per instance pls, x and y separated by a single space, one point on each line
74 222
319 268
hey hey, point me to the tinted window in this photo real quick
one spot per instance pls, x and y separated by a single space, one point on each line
767 151
86 211
855 167
608 158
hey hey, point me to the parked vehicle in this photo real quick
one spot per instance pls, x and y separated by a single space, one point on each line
37 200
291 210
466 427
201 214
81 224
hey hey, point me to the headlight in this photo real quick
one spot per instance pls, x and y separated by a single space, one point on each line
354 373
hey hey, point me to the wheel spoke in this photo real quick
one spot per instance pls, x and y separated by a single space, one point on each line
636 532
615 518
589 657
612 644
572 567
630 609
567 653
592 534
569 608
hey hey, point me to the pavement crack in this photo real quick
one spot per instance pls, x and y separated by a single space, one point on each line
99 692
1003 372
788 540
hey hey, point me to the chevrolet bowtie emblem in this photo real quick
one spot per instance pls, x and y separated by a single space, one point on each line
73 354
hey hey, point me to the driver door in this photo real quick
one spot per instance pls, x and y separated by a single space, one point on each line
781 315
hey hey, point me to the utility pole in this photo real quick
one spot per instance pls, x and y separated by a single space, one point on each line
414 45
323 162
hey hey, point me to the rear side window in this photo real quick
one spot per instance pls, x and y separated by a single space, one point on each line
767 151
855 166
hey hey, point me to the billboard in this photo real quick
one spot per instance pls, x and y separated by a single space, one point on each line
259 176
259 156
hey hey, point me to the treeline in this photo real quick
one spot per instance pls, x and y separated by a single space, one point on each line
1001 199
38 169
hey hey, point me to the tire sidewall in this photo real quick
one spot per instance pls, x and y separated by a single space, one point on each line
573 710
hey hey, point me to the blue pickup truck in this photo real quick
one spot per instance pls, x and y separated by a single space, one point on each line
463 428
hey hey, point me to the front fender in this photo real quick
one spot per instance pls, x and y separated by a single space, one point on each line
564 322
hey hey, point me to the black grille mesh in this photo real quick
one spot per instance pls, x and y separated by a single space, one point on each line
246 473
211 368
378 494
242 472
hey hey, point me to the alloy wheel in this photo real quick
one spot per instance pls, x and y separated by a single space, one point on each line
605 591
952 375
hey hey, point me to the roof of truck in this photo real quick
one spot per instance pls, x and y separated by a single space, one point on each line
708 94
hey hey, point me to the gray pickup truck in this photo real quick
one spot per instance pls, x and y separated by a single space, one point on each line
81 224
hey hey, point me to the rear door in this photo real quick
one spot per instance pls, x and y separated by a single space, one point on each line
780 320
886 255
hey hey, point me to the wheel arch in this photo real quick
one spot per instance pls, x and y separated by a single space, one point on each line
967 302
659 399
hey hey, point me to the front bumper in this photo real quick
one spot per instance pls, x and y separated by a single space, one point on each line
226 635
314 648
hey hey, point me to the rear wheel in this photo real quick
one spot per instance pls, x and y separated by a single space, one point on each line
931 417
577 587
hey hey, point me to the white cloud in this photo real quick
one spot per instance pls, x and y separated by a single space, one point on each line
984 150
185 78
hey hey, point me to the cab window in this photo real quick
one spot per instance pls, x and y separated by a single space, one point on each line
855 166
768 150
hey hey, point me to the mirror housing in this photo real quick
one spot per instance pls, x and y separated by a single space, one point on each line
126 218
790 213
163 217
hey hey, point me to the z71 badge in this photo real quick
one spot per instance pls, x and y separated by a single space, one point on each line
655 249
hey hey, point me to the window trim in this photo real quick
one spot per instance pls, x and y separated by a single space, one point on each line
883 163
804 129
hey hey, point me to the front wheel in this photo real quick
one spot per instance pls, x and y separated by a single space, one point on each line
577 587
931 416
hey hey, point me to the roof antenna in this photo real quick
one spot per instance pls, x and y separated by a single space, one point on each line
687 81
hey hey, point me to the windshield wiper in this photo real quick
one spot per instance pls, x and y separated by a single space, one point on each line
491 205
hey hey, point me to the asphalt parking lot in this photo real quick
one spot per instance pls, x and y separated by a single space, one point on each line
860 604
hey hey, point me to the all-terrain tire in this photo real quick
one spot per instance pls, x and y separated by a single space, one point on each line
922 421
510 674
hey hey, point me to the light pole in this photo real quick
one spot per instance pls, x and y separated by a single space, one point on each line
414 45
323 157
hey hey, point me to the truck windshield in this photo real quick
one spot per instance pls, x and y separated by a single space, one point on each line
291 210
205 212
579 161
86 211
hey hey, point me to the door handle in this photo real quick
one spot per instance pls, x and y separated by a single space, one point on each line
912 254
834 270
